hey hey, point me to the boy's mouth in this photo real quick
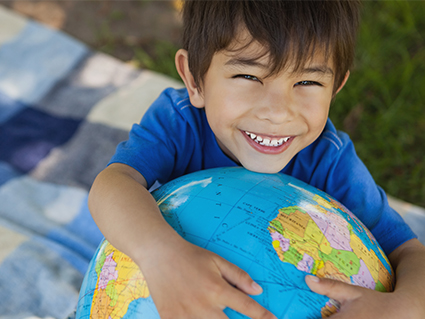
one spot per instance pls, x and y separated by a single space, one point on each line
267 141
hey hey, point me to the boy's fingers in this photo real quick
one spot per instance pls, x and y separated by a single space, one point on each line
334 289
238 278
237 299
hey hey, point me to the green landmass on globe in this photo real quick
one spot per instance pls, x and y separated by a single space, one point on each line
273 226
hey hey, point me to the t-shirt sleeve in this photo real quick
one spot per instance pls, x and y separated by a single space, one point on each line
339 172
153 143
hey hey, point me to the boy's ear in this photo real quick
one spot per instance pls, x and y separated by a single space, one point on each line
182 66
347 75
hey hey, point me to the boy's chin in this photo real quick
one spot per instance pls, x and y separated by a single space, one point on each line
263 168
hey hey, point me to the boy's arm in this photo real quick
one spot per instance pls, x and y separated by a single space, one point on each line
185 281
407 300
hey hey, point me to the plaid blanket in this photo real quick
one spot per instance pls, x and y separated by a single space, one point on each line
63 110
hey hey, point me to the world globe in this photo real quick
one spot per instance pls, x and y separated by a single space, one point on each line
273 226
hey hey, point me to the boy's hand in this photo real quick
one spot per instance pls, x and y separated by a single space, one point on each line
358 302
405 302
186 281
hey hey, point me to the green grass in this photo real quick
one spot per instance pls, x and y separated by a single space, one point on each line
382 105
159 57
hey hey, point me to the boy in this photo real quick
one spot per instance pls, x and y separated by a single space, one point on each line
260 77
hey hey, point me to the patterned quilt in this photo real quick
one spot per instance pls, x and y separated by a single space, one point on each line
63 110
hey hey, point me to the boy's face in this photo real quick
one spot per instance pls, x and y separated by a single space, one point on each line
263 122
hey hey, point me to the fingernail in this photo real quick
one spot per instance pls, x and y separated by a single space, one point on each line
313 278
256 286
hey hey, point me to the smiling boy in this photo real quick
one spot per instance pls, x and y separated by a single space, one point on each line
261 121
260 77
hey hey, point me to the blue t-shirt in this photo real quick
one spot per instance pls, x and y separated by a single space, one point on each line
174 138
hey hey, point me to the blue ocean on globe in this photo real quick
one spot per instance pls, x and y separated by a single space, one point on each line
273 226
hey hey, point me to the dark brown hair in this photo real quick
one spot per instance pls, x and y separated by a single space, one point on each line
291 31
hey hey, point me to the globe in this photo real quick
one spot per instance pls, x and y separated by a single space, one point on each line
273 226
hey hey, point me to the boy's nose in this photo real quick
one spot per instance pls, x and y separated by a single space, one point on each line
277 110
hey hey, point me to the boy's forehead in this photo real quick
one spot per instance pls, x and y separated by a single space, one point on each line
246 51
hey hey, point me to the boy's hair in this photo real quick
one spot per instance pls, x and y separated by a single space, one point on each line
291 31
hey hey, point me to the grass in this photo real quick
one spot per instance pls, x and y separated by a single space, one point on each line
382 105
159 57
151 53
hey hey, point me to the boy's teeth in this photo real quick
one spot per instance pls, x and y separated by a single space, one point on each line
267 141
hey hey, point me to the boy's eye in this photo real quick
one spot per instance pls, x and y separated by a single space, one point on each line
247 76
308 83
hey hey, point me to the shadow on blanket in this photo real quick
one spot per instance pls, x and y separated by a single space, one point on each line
63 110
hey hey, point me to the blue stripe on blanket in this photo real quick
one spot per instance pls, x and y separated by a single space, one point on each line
30 135
40 207
34 61
9 107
